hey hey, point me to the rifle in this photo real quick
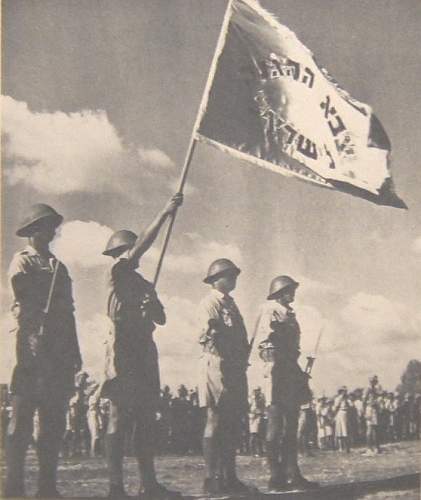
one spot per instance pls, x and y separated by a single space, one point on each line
312 359
49 299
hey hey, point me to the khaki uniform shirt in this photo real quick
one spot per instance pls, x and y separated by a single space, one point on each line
131 359
225 352
54 356
285 382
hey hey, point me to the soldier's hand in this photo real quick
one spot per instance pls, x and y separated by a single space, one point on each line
175 202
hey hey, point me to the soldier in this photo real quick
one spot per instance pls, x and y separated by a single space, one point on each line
223 390
257 409
47 351
132 373
341 409
287 387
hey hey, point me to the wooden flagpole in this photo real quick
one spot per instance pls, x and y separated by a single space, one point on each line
192 143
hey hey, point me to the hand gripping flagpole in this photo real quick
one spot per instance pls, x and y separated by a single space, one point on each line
192 143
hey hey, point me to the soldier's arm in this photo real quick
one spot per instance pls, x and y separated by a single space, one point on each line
146 239
27 308
67 306
154 308
209 318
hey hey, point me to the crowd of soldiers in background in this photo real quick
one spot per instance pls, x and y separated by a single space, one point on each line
363 417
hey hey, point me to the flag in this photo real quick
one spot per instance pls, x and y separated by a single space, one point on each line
267 101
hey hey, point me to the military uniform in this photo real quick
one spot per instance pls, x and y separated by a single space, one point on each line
286 388
223 384
43 377
131 373
225 354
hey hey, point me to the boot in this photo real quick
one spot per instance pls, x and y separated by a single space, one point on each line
277 481
158 492
213 486
15 460
299 482
116 492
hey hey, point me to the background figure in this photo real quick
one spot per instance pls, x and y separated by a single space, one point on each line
305 429
359 407
180 420
68 444
197 417
372 422
81 444
341 409
94 420
257 410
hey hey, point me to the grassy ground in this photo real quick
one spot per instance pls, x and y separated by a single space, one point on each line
87 477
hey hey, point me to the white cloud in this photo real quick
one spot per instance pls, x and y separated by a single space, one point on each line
7 347
416 246
200 254
82 243
92 335
177 342
154 157
373 313
64 152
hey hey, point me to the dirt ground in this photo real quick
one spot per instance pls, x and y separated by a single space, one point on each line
87 477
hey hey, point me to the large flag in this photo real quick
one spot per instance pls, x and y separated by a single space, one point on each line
268 102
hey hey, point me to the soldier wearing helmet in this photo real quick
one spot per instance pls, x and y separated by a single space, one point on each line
131 367
223 390
47 351
278 340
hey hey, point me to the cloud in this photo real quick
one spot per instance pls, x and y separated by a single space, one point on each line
60 152
92 335
177 342
7 347
369 334
201 253
374 313
82 243
416 246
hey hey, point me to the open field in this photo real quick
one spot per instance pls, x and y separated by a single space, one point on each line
87 477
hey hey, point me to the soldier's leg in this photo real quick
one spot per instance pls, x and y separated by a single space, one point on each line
254 443
273 437
144 447
52 421
19 434
230 436
211 451
290 450
144 444
114 447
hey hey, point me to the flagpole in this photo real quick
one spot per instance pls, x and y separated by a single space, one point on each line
193 140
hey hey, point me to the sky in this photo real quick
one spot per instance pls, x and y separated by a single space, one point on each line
98 103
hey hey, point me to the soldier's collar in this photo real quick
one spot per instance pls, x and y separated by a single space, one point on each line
32 252
283 309
219 295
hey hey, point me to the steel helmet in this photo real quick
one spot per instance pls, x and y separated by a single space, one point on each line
280 283
119 242
220 267
35 214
